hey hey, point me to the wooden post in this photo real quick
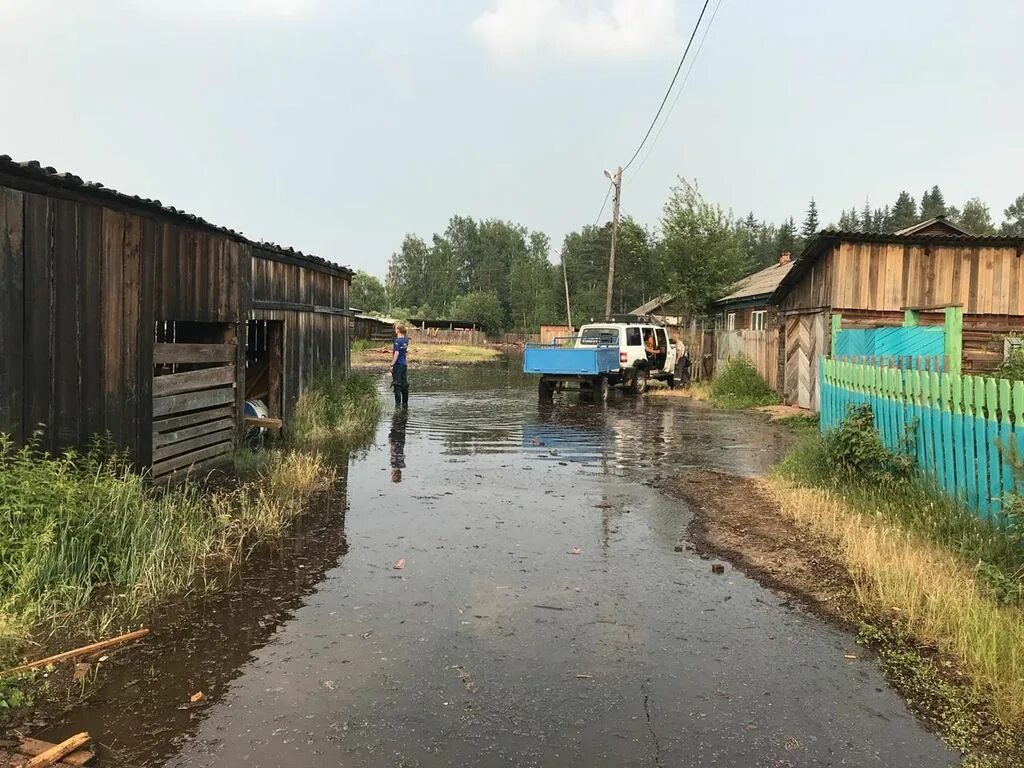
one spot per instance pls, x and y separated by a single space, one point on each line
954 350
565 279
911 318
837 325
617 182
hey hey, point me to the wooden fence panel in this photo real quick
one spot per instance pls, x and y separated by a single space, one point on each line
964 432
761 348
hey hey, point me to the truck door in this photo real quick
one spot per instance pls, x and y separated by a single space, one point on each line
662 343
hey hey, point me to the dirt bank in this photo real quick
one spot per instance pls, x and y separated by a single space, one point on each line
741 520
379 358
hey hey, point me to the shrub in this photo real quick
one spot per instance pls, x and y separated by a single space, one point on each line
854 451
739 385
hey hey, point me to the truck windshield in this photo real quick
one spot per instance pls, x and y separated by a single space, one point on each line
594 336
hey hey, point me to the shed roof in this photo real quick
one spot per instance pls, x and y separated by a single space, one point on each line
937 225
761 283
653 304
828 238
37 175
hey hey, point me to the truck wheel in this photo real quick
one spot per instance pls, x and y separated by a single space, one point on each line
546 390
601 390
639 382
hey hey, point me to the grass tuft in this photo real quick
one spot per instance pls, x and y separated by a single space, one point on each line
738 385
337 408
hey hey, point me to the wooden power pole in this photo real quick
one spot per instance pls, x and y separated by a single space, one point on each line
565 279
617 183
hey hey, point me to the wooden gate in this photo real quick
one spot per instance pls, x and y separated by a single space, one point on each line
195 408
805 343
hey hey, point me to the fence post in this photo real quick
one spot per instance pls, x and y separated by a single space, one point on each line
954 350
837 325
911 318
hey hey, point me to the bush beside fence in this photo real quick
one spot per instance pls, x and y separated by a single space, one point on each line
965 432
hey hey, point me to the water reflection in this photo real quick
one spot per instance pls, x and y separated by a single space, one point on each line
396 442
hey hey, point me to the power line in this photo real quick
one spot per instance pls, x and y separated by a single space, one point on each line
682 85
607 194
668 92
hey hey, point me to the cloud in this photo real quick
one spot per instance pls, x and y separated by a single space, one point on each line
517 31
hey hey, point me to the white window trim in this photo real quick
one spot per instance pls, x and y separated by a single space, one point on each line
757 319
730 321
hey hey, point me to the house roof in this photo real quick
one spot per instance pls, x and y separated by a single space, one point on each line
650 306
828 238
761 283
37 175
934 226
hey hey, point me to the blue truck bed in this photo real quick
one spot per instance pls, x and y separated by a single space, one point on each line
553 360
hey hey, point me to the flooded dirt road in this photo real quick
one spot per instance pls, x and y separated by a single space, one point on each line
542 617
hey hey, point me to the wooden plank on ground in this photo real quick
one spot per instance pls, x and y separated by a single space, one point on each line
192 401
191 459
193 353
185 446
191 381
177 436
177 422
35 747
54 754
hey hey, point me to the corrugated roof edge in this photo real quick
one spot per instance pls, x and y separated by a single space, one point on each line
828 237
33 170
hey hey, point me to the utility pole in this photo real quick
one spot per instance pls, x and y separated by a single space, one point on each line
617 183
565 279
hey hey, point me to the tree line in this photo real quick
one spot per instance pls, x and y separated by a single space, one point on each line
507 277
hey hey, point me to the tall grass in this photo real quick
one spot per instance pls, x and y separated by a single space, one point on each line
739 385
922 586
85 536
337 407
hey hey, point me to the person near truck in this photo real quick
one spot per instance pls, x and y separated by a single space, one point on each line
399 367
682 372
651 347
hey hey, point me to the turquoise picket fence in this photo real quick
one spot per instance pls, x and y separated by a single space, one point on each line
962 430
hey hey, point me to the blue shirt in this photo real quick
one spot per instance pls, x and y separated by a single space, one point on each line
401 346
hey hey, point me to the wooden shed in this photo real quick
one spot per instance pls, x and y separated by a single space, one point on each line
124 318
859 280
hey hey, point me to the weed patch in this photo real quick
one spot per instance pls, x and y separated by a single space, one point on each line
337 408
739 385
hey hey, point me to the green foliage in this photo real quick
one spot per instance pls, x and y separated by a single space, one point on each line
810 225
933 204
852 461
974 217
904 212
854 451
701 248
367 293
1014 224
86 531
1013 366
338 408
17 693
482 307
739 385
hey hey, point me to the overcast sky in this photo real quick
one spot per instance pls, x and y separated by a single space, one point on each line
337 126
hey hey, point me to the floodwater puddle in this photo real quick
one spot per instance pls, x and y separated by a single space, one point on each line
542 616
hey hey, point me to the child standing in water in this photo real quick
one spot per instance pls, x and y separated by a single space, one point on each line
399 367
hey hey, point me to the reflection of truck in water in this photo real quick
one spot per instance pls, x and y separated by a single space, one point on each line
603 355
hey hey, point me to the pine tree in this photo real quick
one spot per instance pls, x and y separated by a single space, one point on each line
933 204
867 223
810 226
785 239
904 212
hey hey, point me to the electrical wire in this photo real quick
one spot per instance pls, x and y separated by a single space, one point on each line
668 92
604 204
682 85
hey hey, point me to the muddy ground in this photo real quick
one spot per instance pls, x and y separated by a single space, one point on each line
548 611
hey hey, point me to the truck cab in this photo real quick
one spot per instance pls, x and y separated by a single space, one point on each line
637 362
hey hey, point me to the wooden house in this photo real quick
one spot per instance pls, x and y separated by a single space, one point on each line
863 280
748 306
124 318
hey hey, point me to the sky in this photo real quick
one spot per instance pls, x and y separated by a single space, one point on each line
339 126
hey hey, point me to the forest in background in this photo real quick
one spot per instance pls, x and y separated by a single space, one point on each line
507 277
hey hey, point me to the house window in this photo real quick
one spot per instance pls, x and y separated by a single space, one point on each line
730 321
757 319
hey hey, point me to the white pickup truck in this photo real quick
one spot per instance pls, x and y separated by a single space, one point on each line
636 363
